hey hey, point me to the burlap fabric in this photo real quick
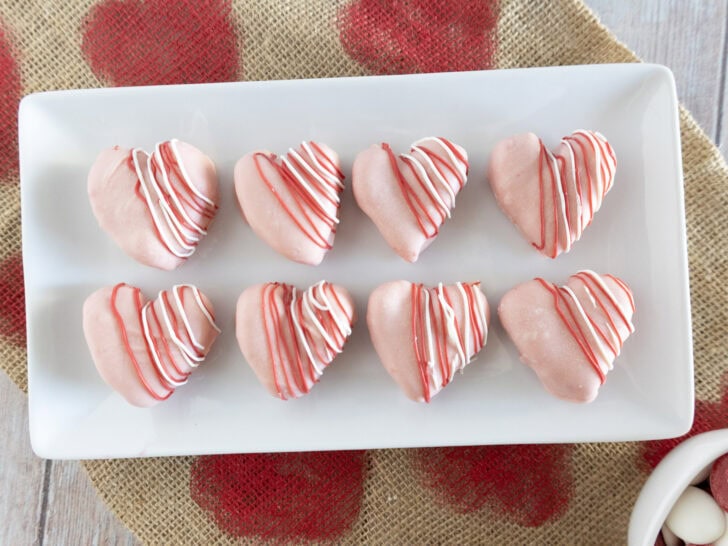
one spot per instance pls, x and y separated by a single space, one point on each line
579 494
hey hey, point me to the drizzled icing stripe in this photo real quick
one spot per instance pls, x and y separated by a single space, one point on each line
304 333
163 183
314 183
437 172
599 329
571 190
174 326
442 344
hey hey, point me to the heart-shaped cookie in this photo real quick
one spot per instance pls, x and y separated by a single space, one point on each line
292 201
156 207
408 197
552 197
289 337
145 349
424 335
569 335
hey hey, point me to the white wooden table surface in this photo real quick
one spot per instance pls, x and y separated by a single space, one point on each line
48 503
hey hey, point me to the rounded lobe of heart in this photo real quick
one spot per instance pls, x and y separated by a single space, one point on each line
107 346
262 210
123 212
390 322
379 195
109 351
546 345
251 335
254 340
389 319
201 171
513 176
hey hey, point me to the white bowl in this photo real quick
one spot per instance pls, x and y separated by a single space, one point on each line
669 480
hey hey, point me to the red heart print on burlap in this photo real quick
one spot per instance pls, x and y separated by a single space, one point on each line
527 484
129 42
420 35
281 496
12 300
9 97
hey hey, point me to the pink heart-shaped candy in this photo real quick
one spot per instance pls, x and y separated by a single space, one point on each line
155 207
569 335
145 349
424 335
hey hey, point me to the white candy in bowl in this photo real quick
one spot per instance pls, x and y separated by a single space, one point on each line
671 501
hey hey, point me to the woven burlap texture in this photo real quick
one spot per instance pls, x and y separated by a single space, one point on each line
295 39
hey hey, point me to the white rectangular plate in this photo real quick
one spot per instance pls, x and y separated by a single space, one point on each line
639 235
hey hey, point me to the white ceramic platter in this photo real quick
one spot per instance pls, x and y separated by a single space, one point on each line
639 235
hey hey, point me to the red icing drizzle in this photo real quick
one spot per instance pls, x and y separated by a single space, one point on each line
305 211
285 346
607 306
413 188
156 344
584 150
444 350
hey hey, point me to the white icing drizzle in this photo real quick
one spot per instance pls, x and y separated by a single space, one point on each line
178 231
313 182
191 356
599 319
432 174
434 312
594 342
